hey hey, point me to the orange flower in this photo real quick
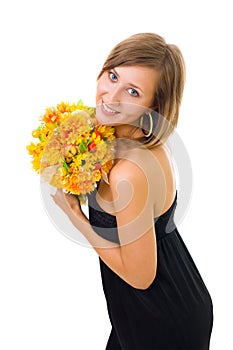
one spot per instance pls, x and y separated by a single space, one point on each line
72 150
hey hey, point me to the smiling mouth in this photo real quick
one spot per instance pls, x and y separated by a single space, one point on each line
107 109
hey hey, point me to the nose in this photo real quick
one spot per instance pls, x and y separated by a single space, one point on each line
114 95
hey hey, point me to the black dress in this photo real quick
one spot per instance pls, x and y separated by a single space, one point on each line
175 312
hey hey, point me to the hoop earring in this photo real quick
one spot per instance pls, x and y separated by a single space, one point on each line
141 121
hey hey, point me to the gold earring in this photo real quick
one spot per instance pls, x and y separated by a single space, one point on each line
141 121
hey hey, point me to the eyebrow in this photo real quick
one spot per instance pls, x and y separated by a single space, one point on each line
133 85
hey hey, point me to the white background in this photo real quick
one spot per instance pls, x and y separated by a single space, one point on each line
51 295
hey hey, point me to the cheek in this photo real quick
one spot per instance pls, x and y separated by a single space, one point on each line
98 93
100 90
132 112
102 84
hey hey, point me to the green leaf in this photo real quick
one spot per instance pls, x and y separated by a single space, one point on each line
65 165
82 147
80 103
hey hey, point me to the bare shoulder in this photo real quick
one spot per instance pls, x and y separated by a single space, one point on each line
164 164
131 168
164 180
143 162
129 185
150 172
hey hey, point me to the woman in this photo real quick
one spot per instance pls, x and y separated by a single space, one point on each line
155 295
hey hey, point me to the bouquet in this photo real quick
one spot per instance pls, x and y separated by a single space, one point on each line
72 150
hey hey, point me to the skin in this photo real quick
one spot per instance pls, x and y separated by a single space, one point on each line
126 91
141 183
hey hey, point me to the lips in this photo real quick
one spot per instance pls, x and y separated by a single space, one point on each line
108 110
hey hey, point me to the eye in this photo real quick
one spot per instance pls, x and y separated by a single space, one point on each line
133 92
112 76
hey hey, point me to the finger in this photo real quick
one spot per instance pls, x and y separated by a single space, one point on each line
57 197
71 200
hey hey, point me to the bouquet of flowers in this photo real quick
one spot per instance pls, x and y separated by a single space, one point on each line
72 150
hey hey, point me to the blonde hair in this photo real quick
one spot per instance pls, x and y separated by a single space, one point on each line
151 50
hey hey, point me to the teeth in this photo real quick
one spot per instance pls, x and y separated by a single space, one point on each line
107 109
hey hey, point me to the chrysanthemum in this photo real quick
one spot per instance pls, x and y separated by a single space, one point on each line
72 150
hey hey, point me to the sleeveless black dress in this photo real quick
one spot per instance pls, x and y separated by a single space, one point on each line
175 312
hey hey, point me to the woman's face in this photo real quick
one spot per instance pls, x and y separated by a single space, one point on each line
124 93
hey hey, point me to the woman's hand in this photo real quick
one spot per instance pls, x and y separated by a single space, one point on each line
69 203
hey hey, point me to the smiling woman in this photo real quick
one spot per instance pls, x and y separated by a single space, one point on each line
155 295
123 92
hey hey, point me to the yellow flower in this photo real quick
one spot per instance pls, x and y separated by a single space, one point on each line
72 149
36 151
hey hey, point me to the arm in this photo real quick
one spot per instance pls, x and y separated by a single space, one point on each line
135 259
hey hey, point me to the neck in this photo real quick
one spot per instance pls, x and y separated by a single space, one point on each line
127 131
